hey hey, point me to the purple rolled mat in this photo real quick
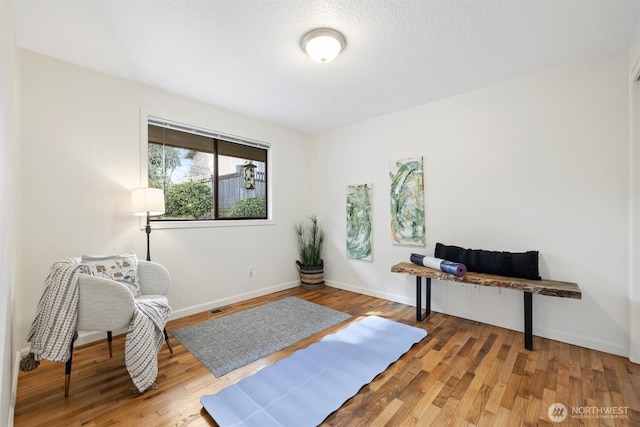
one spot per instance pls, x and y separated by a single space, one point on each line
450 267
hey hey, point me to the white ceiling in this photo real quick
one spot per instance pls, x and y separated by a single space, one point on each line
244 55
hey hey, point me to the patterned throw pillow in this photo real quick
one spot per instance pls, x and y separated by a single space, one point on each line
122 268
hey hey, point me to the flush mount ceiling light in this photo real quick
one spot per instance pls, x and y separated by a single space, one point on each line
323 44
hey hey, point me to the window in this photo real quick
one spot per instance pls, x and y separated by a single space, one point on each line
206 175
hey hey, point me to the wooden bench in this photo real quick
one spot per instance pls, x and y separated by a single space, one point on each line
528 287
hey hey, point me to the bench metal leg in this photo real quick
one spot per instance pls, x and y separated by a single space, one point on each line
528 320
420 316
109 341
528 309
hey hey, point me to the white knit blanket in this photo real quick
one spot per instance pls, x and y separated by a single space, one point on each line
144 339
53 328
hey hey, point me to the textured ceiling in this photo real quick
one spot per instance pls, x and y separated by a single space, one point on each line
244 55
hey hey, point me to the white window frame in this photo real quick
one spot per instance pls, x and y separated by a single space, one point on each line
146 118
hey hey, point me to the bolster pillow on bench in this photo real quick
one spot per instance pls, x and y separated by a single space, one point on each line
523 265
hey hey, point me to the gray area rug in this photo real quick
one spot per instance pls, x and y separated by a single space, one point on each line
232 341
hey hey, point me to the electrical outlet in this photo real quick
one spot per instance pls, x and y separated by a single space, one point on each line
250 271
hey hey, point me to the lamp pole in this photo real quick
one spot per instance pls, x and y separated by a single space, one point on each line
148 230
149 202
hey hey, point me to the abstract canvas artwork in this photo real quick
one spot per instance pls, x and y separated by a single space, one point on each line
359 222
407 201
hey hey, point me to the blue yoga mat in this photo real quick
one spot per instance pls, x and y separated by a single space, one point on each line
306 387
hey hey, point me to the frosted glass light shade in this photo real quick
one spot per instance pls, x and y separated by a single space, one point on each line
323 44
145 200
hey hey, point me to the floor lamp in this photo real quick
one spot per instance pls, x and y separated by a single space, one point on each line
149 202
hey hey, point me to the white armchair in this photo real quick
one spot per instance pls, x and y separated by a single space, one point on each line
107 305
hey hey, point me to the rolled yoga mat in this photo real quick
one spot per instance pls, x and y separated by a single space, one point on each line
454 268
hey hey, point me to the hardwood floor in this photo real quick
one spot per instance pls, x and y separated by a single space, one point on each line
463 373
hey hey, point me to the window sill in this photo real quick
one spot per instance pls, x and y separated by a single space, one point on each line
160 225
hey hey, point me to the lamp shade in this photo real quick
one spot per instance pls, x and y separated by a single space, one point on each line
323 44
149 200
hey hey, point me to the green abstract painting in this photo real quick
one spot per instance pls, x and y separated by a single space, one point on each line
407 201
359 222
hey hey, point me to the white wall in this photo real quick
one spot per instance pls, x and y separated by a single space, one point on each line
634 198
536 163
9 202
81 149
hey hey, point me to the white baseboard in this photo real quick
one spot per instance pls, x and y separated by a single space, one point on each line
89 337
14 389
365 291
582 341
553 334
230 300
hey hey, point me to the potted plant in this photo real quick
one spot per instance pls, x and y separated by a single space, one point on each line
310 238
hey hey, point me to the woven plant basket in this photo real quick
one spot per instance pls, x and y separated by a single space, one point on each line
311 278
